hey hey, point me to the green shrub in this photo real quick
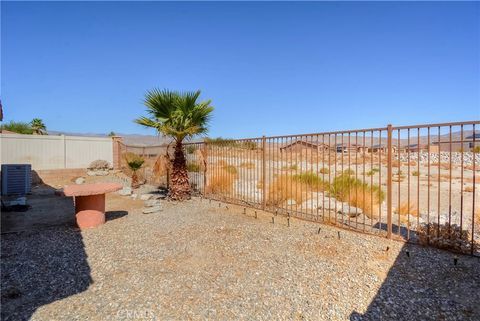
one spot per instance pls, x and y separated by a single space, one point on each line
476 149
372 171
190 149
311 180
415 173
349 171
343 186
18 127
230 169
193 167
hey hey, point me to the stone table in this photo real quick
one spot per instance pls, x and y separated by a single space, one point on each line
90 202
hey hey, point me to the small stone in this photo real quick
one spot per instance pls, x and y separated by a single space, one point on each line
79 180
134 196
125 191
151 203
149 210
145 197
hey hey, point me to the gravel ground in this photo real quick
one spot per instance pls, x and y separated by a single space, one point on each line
198 261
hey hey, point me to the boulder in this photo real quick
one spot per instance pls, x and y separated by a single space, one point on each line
349 210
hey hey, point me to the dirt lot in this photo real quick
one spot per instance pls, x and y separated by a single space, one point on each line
199 261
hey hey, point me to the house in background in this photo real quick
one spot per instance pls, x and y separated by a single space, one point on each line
472 144
302 145
381 148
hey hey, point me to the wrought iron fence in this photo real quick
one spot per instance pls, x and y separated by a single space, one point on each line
414 183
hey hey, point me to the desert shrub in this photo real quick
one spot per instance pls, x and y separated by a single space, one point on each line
284 188
230 169
404 211
221 182
415 173
468 189
292 167
134 163
99 164
18 127
311 180
193 167
348 171
227 142
352 190
190 149
442 165
324 170
396 163
372 171
476 149
446 236
248 145
248 165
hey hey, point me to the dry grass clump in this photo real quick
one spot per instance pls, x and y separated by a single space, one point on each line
220 183
372 171
352 190
247 165
470 167
410 163
398 177
294 187
220 178
406 211
324 170
396 163
468 189
476 221
442 165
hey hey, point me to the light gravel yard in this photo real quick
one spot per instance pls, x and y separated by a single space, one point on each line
199 261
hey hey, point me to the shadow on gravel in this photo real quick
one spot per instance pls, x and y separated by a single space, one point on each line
113 215
39 267
43 256
427 285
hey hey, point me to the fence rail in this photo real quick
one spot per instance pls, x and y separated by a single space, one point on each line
415 183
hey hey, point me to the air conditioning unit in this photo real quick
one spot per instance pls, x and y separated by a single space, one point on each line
16 179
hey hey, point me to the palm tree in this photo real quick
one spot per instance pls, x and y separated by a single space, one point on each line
38 126
178 115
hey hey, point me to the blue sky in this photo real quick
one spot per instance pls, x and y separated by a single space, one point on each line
269 68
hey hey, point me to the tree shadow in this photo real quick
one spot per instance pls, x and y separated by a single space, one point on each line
426 284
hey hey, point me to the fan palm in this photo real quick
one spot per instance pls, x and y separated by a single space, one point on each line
181 116
38 126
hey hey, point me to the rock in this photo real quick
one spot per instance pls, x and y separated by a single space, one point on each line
97 172
134 196
79 180
153 209
349 210
125 191
99 164
329 204
151 203
145 197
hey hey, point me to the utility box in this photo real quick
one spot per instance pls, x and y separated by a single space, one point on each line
16 179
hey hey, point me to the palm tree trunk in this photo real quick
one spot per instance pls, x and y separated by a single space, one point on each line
179 187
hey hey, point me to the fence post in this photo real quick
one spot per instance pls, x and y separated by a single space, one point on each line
264 170
389 181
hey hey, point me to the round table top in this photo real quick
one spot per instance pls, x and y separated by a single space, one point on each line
91 189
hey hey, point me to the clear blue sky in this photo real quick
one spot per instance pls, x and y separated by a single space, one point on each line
269 68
